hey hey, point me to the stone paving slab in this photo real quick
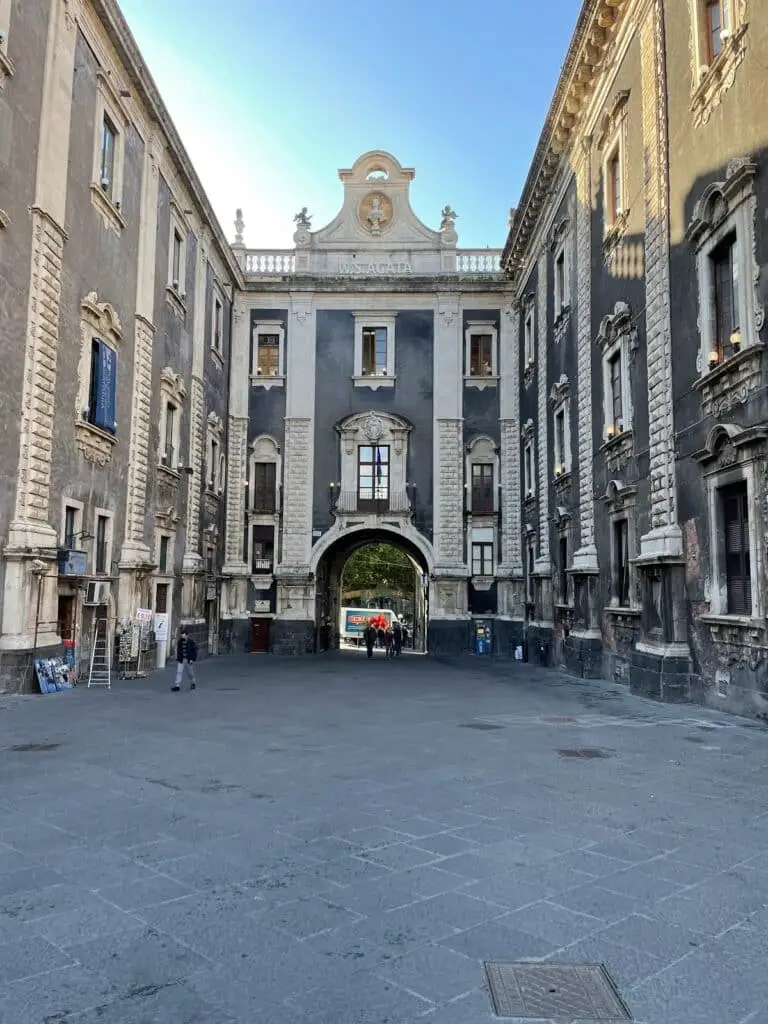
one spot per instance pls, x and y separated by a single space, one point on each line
327 840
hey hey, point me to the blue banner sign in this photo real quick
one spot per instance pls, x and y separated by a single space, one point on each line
106 387
73 563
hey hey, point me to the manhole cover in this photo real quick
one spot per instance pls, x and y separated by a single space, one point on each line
481 726
36 746
584 752
563 992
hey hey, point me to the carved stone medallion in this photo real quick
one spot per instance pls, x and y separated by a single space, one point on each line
375 212
373 427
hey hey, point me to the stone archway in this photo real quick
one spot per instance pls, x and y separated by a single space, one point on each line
331 556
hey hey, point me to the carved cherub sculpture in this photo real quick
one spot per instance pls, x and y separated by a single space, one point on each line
449 216
303 219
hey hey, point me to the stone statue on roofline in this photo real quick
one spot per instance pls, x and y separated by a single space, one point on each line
303 219
449 216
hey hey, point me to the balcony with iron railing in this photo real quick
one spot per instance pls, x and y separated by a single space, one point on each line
396 503
261 565
282 263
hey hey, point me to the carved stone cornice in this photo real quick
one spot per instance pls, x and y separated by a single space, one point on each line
587 55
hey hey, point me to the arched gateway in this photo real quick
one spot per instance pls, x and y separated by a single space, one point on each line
330 562
367 405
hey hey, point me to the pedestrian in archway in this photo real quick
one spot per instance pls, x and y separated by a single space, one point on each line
370 639
389 642
397 637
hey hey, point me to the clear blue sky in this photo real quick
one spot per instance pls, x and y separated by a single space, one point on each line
271 97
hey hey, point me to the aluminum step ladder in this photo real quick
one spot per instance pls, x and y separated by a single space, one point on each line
100 673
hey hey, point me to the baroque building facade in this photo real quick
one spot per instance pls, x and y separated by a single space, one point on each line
115 285
371 384
638 255
569 437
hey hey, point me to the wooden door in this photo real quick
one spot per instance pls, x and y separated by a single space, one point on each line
259 635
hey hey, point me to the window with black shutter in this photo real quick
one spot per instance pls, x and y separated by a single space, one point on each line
621 561
482 487
736 534
563 567
724 298
264 481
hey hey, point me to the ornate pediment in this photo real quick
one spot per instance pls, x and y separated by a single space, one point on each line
376 225
615 325
728 444
720 197
560 390
102 317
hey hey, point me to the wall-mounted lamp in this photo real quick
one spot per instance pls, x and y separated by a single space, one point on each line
736 339
714 358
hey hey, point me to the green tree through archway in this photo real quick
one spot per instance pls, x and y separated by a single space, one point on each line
379 568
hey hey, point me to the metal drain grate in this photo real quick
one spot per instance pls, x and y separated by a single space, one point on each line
562 992
482 726
585 752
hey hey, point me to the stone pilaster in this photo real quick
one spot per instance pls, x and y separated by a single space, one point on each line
660 661
448 432
236 468
543 564
30 551
192 557
294 626
585 557
665 537
510 570
193 561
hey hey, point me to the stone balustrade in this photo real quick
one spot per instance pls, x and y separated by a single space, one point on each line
281 262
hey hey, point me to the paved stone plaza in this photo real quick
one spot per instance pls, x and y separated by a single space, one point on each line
342 842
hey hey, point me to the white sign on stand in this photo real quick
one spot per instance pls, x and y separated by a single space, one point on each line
161 637
144 615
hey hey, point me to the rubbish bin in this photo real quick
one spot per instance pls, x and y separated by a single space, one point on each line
481 644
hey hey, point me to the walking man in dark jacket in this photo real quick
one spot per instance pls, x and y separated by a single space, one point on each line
186 656
397 636
370 639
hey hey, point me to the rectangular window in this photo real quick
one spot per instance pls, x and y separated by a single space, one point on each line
102 391
716 24
264 486
482 487
268 355
482 559
614 187
561 298
161 598
262 549
563 567
529 340
102 526
735 511
560 442
531 565
481 355
621 562
176 260
170 427
373 473
725 297
217 323
528 470
374 351
213 458
108 143
616 402
210 560
70 527
162 558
